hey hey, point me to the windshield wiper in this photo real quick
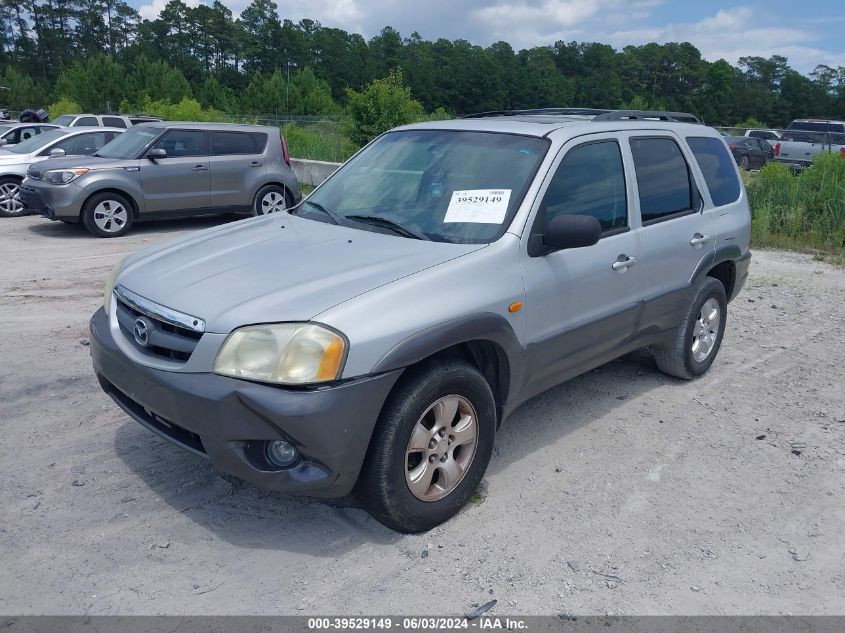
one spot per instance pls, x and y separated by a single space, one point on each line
334 217
377 220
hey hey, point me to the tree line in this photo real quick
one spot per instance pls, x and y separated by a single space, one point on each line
101 55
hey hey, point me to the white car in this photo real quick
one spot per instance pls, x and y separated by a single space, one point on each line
103 120
12 132
49 144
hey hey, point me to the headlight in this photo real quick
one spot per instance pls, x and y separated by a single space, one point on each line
63 176
283 353
110 285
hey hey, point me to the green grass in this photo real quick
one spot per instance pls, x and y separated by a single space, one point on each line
320 141
800 212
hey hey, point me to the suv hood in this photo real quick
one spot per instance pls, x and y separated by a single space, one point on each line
275 268
67 162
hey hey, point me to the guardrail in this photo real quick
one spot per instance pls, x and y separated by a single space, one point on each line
312 172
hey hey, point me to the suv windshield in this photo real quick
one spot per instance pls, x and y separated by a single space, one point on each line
444 185
65 119
38 141
128 144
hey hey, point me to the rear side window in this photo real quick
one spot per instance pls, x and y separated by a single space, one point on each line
718 168
260 140
590 181
228 143
663 178
113 121
180 143
86 121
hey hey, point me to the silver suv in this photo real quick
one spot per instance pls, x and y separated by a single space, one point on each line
375 337
163 169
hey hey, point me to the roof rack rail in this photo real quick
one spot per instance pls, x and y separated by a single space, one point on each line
539 111
647 115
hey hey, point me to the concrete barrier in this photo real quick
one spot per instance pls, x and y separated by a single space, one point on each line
312 172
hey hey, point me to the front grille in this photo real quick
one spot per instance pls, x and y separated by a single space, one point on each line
162 338
172 431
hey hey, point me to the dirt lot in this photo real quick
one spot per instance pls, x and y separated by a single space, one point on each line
623 491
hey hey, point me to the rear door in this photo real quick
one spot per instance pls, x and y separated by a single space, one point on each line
179 182
677 232
583 301
236 165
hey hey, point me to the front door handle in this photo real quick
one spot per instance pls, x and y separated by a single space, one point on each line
698 240
200 168
623 263
256 163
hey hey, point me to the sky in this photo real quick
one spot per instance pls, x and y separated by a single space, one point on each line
808 33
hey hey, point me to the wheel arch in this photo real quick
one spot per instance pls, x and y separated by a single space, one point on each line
487 341
134 203
721 265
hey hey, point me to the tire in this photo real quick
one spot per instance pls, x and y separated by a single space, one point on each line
423 397
108 214
10 200
684 356
745 163
271 199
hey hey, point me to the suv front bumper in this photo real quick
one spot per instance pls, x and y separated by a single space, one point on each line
229 421
56 202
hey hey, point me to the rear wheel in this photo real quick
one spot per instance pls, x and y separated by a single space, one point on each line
697 341
10 198
745 163
107 214
431 446
271 199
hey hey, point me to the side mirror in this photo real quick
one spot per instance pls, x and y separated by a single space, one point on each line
3 142
156 154
566 231
57 152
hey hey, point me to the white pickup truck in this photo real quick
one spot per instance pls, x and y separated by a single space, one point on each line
803 139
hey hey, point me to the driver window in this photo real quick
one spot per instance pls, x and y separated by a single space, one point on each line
590 181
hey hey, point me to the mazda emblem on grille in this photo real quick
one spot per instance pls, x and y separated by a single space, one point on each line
141 331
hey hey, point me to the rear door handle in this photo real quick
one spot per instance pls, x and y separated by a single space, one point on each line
200 168
698 240
623 263
256 163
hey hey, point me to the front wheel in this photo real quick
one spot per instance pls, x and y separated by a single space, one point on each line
271 199
431 446
10 198
745 163
107 215
697 341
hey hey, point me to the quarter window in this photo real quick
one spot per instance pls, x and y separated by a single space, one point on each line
663 178
227 143
180 143
590 181
718 168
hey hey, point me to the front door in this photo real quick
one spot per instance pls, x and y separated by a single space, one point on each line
181 181
581 303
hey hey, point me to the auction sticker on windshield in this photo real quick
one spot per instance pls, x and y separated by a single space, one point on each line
481 206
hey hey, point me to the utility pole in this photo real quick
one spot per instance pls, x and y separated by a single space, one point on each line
287 89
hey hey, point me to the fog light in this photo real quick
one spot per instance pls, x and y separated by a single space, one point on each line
281 453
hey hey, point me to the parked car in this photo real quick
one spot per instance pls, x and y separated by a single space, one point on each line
56 144
13 133
376 336
162 169
109 120
767 135
750 152
804 139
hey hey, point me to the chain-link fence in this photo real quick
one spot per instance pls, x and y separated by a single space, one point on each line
753 148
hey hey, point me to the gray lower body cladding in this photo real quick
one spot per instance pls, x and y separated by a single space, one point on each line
229 421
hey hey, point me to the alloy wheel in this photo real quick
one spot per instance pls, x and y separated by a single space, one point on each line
10 198
441 449
706 330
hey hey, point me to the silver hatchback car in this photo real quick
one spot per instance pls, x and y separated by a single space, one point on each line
164 170
374 338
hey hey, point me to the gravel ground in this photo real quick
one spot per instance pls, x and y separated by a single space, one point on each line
623 491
